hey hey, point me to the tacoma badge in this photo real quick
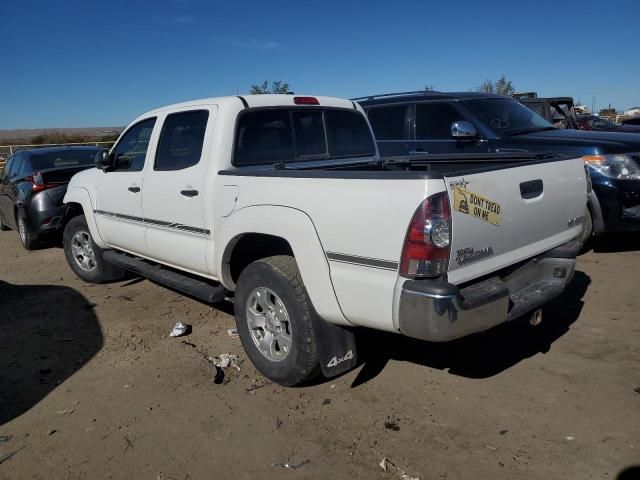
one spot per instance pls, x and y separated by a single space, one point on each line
468 255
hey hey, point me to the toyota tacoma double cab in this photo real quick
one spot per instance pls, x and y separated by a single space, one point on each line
282 203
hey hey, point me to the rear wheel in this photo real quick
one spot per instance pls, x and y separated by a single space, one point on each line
84 256
27 237
273 316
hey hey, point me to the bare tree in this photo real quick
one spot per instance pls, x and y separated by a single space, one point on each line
276 87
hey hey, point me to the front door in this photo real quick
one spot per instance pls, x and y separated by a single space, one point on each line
174 191
119 200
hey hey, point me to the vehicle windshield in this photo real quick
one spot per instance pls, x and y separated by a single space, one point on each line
68 158
507 117
599 123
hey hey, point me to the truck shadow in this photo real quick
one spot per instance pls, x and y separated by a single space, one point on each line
616 242
482 355
630 473
47 333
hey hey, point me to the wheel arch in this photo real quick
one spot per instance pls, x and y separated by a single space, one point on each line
260 231
78 202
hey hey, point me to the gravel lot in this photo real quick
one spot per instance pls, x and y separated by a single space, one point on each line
91 386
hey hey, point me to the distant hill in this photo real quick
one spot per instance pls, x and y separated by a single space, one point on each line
21 136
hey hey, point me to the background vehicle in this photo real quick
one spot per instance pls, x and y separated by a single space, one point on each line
32 186
284 201
559 111
593 122
439 123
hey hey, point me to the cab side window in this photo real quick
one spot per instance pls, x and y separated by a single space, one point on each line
132 148
181 140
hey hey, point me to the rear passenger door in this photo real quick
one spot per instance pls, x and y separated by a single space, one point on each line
432 130
173 198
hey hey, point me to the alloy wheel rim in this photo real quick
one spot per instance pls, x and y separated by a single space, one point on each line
269 324
82 251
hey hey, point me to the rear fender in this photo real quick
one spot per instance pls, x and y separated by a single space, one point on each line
81 196
298 230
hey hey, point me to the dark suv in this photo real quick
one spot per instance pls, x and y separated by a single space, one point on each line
32 186
419 123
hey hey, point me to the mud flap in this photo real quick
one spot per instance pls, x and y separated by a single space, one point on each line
336 346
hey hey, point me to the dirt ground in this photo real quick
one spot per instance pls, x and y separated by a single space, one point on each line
91 386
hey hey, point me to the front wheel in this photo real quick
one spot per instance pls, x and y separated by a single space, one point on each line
274 318
84 256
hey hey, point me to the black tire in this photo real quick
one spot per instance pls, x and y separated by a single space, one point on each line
280 274
102 270
28 238
587 229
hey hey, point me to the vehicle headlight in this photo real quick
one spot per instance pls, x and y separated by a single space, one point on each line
619 166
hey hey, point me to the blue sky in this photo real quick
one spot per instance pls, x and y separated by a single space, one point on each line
81 63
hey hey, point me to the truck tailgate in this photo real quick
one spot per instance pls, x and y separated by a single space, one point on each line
501 217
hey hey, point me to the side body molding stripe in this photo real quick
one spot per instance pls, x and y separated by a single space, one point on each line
363 261
156 223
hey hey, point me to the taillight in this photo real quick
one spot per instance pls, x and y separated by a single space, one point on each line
426 247
38 184
306 101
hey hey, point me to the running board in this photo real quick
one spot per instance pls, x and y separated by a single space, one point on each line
175 280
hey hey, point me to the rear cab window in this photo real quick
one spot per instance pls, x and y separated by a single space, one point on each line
274 135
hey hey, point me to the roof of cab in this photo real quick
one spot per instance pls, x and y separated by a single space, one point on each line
267 100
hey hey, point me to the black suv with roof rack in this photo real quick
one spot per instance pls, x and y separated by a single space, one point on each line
427 122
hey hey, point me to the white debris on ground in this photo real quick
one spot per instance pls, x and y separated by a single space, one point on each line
388 466
179 329
225 360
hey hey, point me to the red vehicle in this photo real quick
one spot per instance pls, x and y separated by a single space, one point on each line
593 122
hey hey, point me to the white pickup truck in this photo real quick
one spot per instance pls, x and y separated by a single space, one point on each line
283 203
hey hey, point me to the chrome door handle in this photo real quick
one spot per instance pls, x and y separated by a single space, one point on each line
418 152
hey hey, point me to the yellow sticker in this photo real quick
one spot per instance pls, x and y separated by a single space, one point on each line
476 206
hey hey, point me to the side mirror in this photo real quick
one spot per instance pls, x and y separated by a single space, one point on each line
463 130
104 161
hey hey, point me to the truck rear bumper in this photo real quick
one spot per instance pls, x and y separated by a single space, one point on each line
438 311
